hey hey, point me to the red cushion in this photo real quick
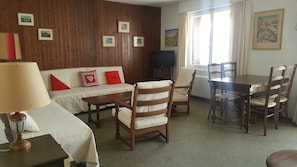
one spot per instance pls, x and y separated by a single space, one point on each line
112 77
89 78
57 84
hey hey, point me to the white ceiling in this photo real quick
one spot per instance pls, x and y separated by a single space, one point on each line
160 3
154 3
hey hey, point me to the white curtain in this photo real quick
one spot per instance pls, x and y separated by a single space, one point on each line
241 13
182 41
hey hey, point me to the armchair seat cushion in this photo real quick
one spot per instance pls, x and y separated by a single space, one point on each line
177 97
140 123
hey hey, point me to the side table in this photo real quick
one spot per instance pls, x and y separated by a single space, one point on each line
103 100
44 152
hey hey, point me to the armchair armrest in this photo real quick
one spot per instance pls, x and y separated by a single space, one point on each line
119 102
180 87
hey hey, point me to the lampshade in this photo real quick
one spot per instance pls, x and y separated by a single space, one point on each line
21 87
10 46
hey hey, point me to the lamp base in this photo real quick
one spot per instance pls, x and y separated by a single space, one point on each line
20 145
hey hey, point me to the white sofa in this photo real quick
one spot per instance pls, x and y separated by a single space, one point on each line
70 99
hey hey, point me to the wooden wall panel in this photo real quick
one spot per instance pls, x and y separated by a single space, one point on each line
78 26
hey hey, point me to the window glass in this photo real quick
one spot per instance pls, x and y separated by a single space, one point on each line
209 37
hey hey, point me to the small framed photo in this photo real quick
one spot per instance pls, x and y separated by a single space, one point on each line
123 27
25 19
108 41
138 41
45 34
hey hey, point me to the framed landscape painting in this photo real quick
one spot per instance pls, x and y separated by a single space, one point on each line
45 34
171 38
138 41
108 41
123 27
268 27
26 19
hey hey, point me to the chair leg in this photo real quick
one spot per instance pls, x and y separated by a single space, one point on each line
265 123
132 140
286 105
276 118
167 133
209 113
117 128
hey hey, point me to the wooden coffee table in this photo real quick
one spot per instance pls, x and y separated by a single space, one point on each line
103 100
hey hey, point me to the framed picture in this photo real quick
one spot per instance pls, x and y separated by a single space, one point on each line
138 41
123 27
268 27
25 19
171 38
108 41
45 34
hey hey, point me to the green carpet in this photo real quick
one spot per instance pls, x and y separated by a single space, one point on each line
195 142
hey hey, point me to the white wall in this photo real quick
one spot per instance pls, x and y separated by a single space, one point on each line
169 20
259 61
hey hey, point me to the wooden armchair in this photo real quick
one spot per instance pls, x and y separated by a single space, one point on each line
148 114
182 90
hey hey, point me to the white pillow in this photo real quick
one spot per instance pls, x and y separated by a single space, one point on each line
30 124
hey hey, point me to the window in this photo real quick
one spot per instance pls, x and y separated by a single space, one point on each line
209 40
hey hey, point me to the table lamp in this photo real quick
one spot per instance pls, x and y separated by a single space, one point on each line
10 46
22 88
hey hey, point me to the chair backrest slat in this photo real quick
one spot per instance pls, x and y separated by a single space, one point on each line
152 98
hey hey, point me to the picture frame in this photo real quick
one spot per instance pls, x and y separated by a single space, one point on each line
268 27
25 19
171 37
138 41
45 34
123 27
108 41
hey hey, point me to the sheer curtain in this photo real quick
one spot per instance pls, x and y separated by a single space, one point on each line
182 38
241 13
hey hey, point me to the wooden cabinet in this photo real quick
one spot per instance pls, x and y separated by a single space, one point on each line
44 152
162 73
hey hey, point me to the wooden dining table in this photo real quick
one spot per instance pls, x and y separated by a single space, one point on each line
244 84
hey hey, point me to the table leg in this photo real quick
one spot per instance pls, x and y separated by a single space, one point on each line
213 108
98 116
90 120
247 115
89 113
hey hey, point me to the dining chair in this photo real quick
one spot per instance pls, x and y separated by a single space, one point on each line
182 90
229 69
148 113
226 101
286 89
268 103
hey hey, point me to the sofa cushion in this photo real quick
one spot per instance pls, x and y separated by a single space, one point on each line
59 82
88 78
112 77
71 100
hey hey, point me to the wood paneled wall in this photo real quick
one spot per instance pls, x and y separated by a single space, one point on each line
78 26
